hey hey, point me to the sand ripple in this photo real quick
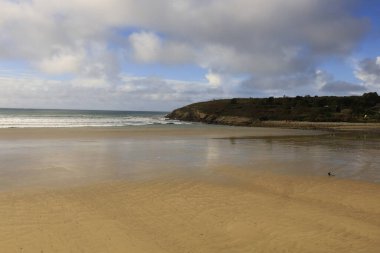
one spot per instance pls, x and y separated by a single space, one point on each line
247 213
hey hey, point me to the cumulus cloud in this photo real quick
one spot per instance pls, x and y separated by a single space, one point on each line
368 71
158 89
311 82
214 79
342 87
328 85
280 82
147 47
132 93
61 61
277 43
262 29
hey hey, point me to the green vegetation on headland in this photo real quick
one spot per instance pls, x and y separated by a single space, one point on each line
252 111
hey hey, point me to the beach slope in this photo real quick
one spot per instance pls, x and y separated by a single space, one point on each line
246 213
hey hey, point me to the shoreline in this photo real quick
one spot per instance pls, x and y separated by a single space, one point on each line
325 127
167 131
201 130
343 127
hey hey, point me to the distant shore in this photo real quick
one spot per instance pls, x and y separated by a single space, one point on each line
371 128
252 111
354 113
236 121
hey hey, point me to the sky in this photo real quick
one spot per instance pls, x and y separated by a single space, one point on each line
163 54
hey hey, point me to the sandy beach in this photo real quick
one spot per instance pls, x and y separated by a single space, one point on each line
163 126
227 209
251 213
197 130
342 127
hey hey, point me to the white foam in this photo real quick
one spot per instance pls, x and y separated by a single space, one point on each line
81 121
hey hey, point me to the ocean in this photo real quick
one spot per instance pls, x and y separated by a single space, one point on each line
25 118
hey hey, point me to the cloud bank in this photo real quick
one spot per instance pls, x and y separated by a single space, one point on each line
275 45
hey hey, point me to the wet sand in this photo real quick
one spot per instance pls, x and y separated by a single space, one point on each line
167 131
226 210
343 127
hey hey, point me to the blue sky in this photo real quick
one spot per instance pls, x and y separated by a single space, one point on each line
159 55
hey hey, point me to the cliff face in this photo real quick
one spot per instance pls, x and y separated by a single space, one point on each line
189 113
252 111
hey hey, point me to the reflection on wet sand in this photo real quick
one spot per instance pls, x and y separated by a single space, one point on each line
179 192
71 160
353 157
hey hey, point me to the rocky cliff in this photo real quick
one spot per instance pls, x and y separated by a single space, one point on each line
253 111
189 113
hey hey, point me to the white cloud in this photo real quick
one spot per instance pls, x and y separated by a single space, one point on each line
90 83
343 88
328 85
308 83
214 80
61 61
132 93
278 43
276 84
368 71
242 30
146 46
158 89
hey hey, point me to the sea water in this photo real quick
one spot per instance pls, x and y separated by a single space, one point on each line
23 118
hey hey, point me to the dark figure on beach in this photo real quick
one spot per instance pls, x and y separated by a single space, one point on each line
330 174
